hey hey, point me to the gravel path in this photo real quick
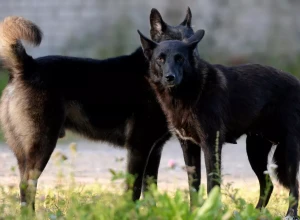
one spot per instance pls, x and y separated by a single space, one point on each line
93 161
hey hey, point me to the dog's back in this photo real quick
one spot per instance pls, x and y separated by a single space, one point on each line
106 92
258 99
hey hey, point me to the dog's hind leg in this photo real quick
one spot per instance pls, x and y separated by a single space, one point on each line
22 166
37 156
151 170
32 134
258 150
21 159
286 156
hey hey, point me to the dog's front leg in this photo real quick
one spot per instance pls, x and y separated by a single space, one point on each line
192 159
137 161
212 153
151 170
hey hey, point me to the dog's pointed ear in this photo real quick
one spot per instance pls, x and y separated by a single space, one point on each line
157 24
195 39
147 45
188 18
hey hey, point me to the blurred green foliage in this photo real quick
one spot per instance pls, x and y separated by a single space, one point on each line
3 82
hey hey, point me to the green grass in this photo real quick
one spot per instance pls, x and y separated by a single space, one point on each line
93 201
3 82
66 199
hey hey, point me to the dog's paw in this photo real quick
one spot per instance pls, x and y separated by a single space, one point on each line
288 217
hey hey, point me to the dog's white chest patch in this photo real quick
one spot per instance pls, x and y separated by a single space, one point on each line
182 134
10 90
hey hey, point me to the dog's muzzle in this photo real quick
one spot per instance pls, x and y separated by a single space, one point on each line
170 79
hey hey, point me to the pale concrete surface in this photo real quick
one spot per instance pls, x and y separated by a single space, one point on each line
93 161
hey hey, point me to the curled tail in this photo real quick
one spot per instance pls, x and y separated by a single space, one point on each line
12 30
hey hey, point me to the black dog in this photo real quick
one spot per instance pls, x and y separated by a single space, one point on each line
205 102
108 100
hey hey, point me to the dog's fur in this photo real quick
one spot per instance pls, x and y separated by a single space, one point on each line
108 100
202 100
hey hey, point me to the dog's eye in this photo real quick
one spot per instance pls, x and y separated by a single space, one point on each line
160 60
179 58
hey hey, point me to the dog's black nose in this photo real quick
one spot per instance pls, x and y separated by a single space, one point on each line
170 78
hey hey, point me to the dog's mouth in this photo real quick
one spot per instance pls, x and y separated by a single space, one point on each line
171 85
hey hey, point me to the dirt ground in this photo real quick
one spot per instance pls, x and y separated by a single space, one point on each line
93 161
